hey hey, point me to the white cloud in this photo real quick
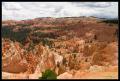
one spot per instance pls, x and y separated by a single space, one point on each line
29 10
93 4
11 6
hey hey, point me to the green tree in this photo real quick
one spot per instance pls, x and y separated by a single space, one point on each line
48 74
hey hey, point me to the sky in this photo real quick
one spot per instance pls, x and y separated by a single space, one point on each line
30 10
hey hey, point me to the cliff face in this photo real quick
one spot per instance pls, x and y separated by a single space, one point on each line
70 47
12 57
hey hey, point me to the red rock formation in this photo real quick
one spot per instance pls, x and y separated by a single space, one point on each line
74 46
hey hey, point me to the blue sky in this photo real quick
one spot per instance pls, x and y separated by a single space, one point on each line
30 10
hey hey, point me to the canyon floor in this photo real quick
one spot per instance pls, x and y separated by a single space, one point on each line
72 47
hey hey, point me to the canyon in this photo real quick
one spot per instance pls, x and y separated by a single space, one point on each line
72 47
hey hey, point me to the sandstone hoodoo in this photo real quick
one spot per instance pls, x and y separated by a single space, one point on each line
71 48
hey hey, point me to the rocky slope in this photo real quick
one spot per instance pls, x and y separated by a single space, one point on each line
74 48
